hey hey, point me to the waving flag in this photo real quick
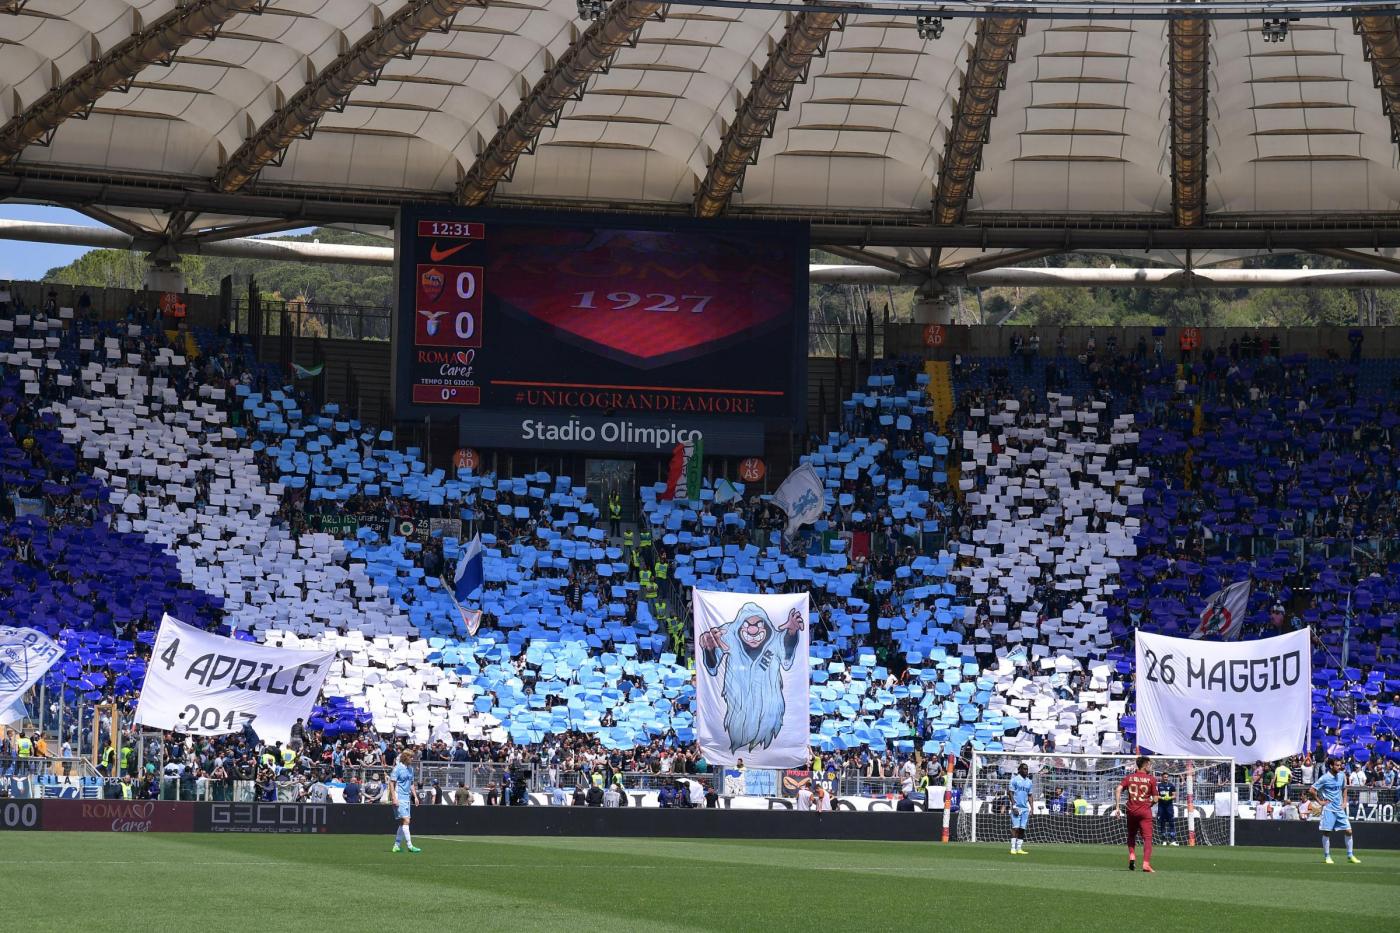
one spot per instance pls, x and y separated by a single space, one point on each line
308 372
802 497
1223 616
26 654
470 571
467 580
683 477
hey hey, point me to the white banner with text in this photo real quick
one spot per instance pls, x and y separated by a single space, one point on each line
205 684
1247 700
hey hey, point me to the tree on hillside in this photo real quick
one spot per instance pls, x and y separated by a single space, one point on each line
832 309
327 284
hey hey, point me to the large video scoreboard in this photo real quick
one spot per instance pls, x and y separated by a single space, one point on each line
541 329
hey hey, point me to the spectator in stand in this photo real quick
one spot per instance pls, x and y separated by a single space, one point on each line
1282 775
317 792
804 797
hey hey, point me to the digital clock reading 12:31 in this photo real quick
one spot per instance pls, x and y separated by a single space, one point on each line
452 229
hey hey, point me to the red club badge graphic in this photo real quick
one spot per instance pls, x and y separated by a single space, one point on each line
432 282
644 298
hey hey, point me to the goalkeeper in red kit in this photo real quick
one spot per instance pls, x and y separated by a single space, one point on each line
1142 793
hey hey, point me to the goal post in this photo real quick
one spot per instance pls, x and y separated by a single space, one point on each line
1072 798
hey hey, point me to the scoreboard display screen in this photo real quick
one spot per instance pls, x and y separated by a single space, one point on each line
599 316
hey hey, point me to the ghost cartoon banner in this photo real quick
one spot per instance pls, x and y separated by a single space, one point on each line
751 677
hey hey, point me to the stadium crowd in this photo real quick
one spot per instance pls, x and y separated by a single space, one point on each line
1280 470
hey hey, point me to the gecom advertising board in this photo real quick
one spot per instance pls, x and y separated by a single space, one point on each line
661 324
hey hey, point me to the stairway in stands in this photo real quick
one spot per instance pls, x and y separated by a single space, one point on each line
173 338
940 390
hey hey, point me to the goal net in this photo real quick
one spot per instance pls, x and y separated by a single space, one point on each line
1072 799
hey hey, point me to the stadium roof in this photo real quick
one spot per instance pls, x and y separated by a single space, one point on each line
1033 129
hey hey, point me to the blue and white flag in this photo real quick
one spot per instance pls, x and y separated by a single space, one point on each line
802 497
470 571
25 656
725 492
470 575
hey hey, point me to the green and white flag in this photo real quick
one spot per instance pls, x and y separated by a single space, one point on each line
685 469
693 471
304 372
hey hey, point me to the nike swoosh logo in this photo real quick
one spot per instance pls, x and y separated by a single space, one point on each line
438 255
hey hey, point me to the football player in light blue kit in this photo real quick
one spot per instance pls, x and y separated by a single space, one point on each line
1022 790
401 794
1332 788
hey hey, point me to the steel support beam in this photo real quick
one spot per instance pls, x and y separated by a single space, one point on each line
887 263
788 65
1058 277
111 220
567 80
1360 259
66 234
302 251
362 62
286 250
237 231
1052 231
863 275
1181 278
155 44
292 251
1067 240
1001 260
987 63
1189 72
1380 38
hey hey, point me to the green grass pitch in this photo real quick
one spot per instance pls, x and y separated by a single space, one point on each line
91 881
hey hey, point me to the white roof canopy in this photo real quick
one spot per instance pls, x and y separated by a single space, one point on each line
1297 134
